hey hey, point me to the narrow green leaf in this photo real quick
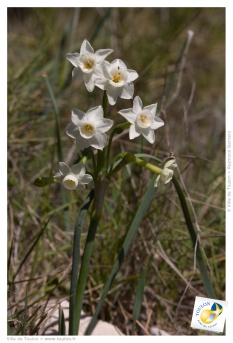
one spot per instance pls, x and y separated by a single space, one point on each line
9 260
67 44
31 249
25 312
61 323
59 149
76 257
139 298
9 332
100 24
100 188
142 209
57 119
204 274
117 130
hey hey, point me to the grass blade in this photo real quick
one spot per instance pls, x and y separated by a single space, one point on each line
76 257
100 188
57 119
139 298
9 333
59 148
100 24
204 274
9 260
61 323
31 249
25 312
142 209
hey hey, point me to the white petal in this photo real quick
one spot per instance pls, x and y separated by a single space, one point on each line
95 113
64 169
157 123
78 169
149 135
77 74
73 58
86 48
87 76
118 63
103 125
170 163
107 64
132 75
98 141
102 54
106 72
80 187
58 177
101 83
137 104
152 108
99 71
85 179
77 116
82 143
71 130
157 181
129 115
89 80
113 93
133 133
127 92
166 175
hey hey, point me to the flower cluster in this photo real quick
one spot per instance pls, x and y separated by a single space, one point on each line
89 129
92 68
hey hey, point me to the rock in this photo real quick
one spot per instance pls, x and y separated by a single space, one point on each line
50 325
158 332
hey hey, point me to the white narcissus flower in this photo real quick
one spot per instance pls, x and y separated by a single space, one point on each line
117 80
143 120
88 129
74 177
88 63
167 173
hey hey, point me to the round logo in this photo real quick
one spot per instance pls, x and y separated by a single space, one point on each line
208 316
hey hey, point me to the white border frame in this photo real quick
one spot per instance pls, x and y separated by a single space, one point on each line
3 124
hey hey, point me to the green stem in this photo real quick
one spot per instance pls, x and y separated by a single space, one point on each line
94 166
105 104
127 158
101 153
118 129
76 258
100 189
